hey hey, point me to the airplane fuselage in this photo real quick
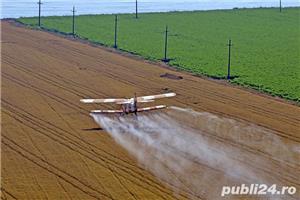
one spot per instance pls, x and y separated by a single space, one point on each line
130 107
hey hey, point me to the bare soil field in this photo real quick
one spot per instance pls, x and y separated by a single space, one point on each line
52 148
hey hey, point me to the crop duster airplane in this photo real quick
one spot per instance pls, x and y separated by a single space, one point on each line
129 105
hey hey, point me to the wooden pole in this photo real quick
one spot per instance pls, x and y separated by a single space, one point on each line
40 3
136 9
229 59
280 6
166 45
73 21
116 27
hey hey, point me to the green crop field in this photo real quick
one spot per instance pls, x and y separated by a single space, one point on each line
265 52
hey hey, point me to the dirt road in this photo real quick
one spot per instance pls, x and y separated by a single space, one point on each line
52 148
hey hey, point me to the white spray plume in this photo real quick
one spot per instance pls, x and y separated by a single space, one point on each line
199 152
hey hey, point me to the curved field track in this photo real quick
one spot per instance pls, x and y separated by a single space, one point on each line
52 148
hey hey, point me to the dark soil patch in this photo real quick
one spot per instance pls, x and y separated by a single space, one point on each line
171 76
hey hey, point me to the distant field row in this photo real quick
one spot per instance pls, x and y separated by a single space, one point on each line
265 55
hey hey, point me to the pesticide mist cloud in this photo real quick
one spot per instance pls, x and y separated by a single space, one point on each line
198 152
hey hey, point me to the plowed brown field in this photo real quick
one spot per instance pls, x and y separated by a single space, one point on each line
52 148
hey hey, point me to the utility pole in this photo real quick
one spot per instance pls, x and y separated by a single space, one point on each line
73 20
136 9
116 27
40 3
280 8
166 45
229 59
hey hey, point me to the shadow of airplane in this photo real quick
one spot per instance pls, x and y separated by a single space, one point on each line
93 129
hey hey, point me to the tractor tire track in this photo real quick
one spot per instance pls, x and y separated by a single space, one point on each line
90 191
8 193
90 155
